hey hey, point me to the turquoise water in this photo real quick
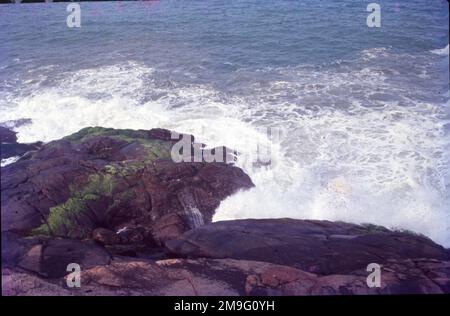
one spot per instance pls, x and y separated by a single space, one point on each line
364 112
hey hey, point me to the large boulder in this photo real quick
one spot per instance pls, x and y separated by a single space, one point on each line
320 247
49 257
119 180
139 223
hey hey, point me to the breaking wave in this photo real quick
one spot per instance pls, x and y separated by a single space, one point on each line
361 141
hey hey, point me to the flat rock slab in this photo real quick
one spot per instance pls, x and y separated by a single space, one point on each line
9 147
229 277
320 247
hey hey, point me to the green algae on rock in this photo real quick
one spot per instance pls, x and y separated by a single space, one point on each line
114 179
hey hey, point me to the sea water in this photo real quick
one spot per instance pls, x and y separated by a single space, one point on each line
364 112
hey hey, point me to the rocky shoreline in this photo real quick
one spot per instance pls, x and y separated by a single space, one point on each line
138 223
10 148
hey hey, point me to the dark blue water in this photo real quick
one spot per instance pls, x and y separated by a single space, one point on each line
210 40
364 111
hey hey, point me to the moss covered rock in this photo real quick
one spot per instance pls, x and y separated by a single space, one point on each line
121 180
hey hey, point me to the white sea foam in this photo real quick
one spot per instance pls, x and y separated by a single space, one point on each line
8 161
355 148
442 51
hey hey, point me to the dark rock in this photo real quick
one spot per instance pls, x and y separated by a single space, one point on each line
134 235
95 183
111 178
58 253
16 149
31 261
125 205
9 146
126 276
168 227
15 248
320 247
49 257
105 236
7 135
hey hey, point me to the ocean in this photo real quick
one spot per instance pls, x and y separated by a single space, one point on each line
363 114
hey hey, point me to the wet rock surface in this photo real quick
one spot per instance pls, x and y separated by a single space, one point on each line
7 135
138 223
321 247
37 267
9 147
204 277
114 179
